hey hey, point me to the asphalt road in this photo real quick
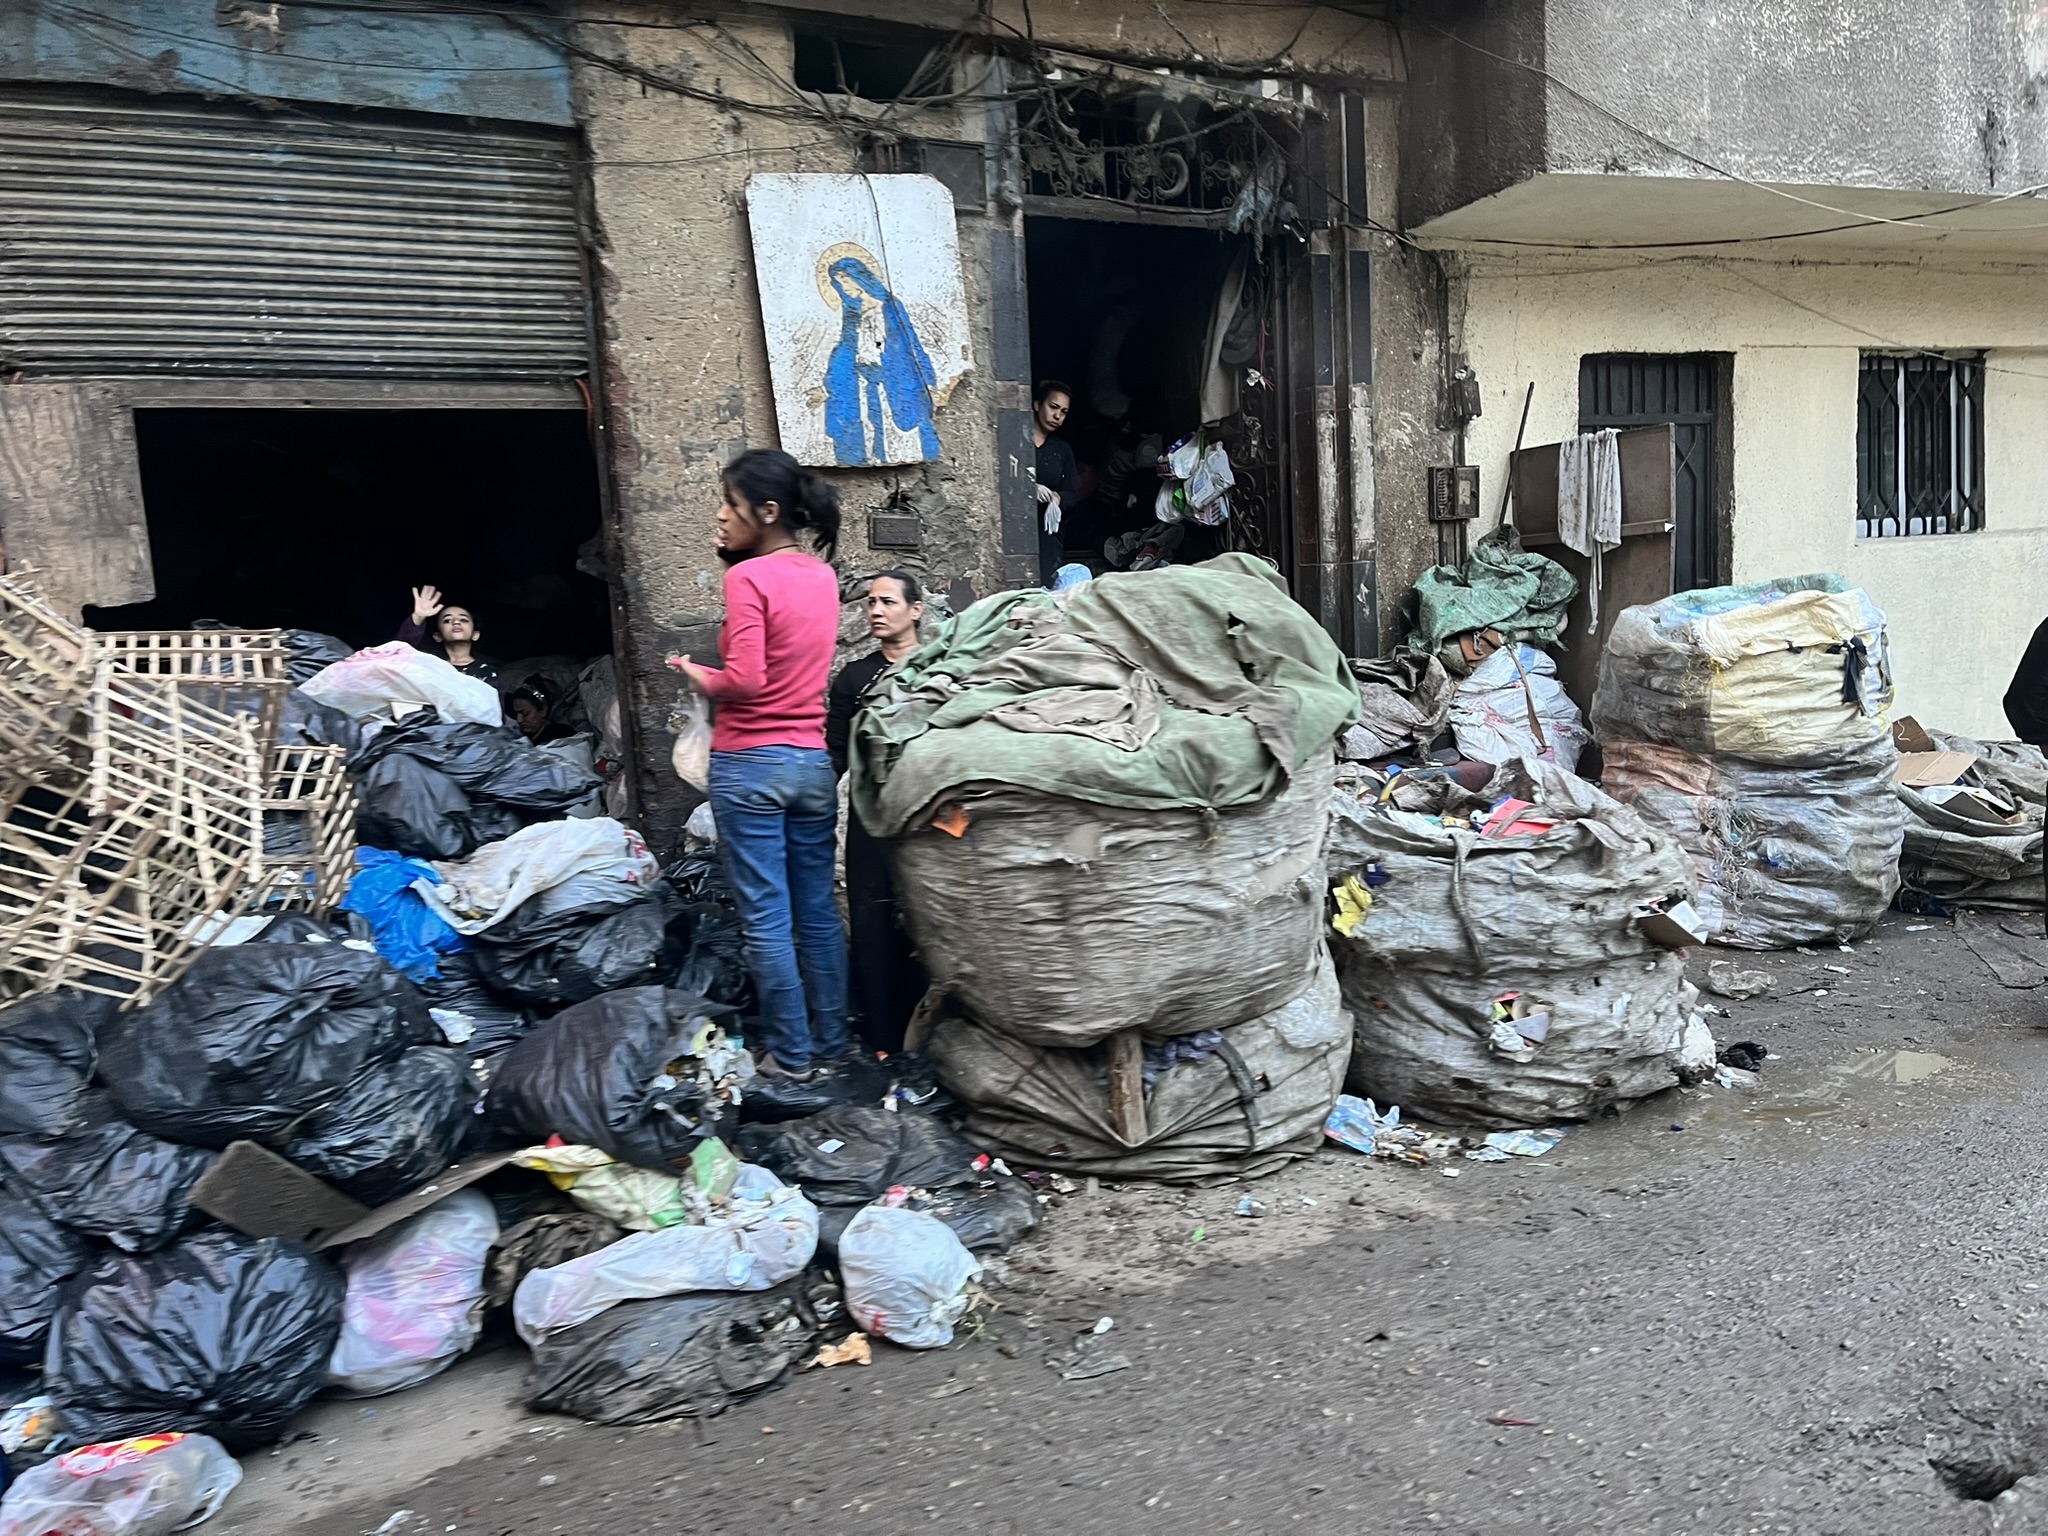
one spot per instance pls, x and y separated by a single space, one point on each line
1780 1318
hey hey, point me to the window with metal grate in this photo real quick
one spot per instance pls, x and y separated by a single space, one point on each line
1919 444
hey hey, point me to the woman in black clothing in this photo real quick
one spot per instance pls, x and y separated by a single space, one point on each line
1059 479
888 982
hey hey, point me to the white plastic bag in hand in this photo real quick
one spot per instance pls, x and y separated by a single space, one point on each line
692 754
415 1297
149 1486
906 1275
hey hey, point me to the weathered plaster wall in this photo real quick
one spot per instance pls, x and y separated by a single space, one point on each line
685 367
1961 606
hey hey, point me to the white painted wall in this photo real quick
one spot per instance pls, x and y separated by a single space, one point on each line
1961 606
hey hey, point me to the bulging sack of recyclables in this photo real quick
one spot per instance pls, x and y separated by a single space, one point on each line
1750 723
415 1299
906 1276
1254 1101
1462 921
1061 923
368 684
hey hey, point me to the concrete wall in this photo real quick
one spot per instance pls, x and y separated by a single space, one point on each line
685 368
1961 606
1864 93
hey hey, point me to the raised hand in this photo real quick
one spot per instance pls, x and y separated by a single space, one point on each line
426 602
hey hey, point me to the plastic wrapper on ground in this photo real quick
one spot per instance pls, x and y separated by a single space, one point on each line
762 1235
1254 1104
681 1356
392 1129
148 1486
218 1334
256 1036
599 1074
1033 916
415 1299
1469 936
906 1276
36 1257
107 1180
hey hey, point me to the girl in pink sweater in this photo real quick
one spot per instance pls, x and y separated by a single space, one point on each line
774 795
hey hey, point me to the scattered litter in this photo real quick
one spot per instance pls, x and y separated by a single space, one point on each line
854 1349
1250 1207
1499 1146
1745 1054
1839 970
1508 1420
1726 979
1364 1127
29 1425
1736 1077
396 1519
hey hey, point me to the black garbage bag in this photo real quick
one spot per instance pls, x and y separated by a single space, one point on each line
691 1355
542 1242
306 722
307 651
490 763
495 1025
784 1098
393 1129
36 1257
108 1179
548 959
297 928
872 1150
614 1073
700 877
410 807
254 1036
47 1050
715 964
220 1334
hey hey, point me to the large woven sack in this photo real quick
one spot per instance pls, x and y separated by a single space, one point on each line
1253 1104
1061 923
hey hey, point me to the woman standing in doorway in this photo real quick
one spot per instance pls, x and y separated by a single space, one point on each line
773 793
1059 480
887 979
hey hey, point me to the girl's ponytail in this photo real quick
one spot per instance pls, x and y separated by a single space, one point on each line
820 513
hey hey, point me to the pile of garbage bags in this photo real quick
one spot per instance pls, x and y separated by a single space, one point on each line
1750 723
1500 973
1110 808
1978 836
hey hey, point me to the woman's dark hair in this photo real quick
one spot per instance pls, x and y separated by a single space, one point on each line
1047 387
762 475
535 691
912 592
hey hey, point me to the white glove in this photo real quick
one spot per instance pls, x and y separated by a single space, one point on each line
1052 512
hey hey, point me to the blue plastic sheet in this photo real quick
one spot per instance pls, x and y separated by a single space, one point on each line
407 931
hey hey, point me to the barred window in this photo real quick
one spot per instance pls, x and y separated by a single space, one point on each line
1919 445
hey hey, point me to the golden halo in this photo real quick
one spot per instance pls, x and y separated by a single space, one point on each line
833 253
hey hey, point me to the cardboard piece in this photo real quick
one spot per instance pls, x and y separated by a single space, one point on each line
1909 736
1922 770
1977 804
1675 926
259 1194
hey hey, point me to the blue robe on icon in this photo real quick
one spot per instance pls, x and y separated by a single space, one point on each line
902 376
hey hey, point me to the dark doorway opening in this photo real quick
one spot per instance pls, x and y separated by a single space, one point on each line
326 520
1641 389
1126 314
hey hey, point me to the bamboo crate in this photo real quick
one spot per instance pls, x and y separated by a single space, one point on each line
148 824
309 823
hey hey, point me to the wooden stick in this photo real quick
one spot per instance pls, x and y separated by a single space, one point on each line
1508 479
1127 1086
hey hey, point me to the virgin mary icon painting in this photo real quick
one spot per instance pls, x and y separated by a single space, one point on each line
865 315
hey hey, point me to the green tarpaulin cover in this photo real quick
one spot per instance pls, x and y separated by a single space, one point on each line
1502 586
1201 686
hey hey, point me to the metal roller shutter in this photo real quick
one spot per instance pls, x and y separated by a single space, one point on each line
217 240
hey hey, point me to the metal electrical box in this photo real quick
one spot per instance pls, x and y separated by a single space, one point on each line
1453 493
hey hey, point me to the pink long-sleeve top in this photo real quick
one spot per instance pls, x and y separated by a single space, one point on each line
781 623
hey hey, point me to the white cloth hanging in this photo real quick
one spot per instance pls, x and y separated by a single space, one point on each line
1589 502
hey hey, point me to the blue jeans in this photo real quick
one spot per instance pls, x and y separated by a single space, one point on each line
777 810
